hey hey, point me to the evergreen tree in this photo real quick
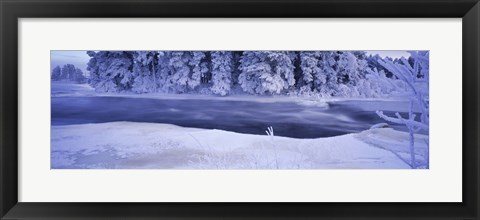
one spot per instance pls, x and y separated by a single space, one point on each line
319 74
56 73
111 71
266 72
327 82
309 67
164 71
351 68
373 63
68 72
145 71
222 68
199 69
179 71
282 63
78 76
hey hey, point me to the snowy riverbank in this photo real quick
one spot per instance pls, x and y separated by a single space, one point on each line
130 145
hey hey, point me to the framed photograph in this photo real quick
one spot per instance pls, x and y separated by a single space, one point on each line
225 109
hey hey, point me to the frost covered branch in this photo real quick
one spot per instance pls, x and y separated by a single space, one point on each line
400 120
269 132
416 78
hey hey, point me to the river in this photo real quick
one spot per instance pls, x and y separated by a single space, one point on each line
289 119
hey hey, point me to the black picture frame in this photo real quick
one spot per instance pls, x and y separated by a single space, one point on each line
12 10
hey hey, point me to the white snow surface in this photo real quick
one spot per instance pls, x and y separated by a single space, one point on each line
132 145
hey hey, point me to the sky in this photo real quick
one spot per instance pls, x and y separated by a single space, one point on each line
389 53
80 58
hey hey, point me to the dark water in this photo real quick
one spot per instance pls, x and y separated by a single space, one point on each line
287 118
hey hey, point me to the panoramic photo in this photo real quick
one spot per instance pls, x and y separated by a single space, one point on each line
239 109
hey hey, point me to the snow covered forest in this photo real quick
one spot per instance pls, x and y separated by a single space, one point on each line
68 73
241 110
319 73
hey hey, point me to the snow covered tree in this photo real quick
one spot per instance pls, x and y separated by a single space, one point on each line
282 63
373 63
266 72
164 70
222 68
198 69
420 61
182 71
110 71
319 74
251 65
68 72
93 69
326 80
351 69
309 66
178 74
78 76
418 88
56 73
236 67
377 84
145 71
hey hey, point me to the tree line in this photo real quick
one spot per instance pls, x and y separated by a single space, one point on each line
324 73
68 72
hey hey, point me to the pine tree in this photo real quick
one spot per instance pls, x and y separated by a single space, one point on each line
178 72
56 73
78 76
222 68
164 70
309 67
265 72
327 82
373 63
252 65
322 73
282 63
319 74
68 72
145 71
111 71
199 69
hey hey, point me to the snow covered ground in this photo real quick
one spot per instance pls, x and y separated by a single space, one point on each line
130 145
